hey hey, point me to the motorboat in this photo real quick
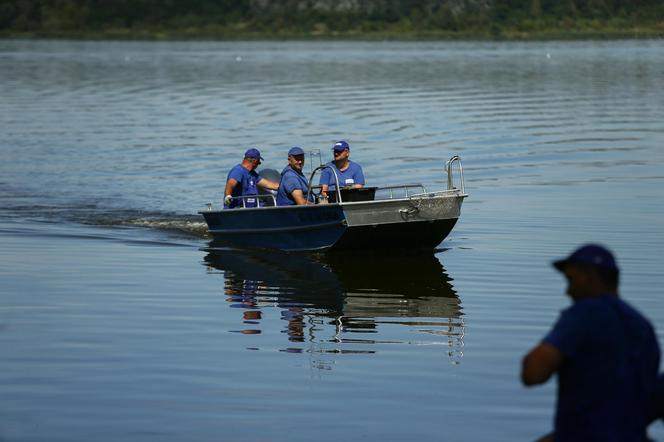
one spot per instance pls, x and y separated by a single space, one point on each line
399 216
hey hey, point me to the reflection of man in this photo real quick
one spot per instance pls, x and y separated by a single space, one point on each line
243 180
294 185
348 172
604 351
296 324
245 299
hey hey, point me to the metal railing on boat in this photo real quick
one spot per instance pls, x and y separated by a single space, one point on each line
450 175
336 181
404 187
404 190
272 201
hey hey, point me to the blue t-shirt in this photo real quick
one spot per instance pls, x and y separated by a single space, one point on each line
352 175
290 181
246 186
609 370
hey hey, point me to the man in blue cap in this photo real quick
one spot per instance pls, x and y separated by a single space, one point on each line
604 352
348 172
242 180
294 185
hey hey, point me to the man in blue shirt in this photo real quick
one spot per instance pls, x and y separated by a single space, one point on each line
348 172
294 185
243 180
604 352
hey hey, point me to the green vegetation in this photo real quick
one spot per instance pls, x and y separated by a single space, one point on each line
352 19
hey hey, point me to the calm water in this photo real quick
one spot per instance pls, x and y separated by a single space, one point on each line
117 324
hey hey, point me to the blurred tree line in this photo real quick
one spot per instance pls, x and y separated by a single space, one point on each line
301 18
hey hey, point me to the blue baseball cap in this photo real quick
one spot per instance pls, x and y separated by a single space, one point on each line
590 254
340 146
295 151
253 153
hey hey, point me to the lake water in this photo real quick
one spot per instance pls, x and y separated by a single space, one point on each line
117 324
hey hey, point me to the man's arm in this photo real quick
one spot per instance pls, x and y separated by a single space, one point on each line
228 191
324 182
230 185
540 364
359 178
299 198
267 184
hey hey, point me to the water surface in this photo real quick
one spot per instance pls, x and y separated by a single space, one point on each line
117 322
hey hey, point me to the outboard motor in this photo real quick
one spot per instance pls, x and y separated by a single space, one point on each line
272 175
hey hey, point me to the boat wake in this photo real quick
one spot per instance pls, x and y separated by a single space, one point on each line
189 225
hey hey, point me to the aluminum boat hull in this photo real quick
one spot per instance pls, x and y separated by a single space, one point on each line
419 221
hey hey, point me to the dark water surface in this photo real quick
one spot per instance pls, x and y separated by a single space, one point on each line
117 323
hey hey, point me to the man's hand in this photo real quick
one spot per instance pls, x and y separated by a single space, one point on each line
228 199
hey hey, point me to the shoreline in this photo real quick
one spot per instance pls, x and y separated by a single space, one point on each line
636 33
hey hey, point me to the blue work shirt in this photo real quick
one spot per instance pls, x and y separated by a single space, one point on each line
247 182
352 175
609 370
291 180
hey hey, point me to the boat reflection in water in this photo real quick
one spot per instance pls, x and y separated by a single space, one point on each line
344 303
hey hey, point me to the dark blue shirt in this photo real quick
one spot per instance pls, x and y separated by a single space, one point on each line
611 359
246 186
290 181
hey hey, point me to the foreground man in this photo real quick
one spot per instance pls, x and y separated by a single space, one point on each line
349 173
294 185
242 180
604 351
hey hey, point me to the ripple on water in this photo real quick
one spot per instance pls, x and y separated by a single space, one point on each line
129 139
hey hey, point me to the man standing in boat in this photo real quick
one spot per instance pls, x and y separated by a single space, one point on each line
243 180
604 352
349 173
294 185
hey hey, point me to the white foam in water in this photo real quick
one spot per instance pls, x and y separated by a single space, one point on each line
196 228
